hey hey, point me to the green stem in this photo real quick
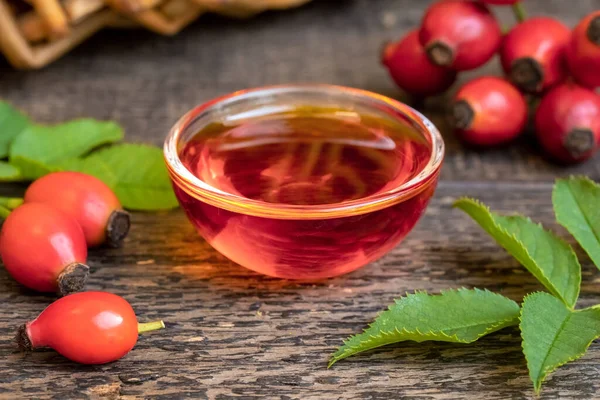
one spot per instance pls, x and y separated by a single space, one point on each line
533 102
150 326
4 212
519 11
11 202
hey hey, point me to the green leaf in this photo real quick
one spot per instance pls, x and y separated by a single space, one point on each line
459 316
91 166
38 147
4 212
136 173
553 335
9 173
550 259
12 123
577 207
31 169
10 202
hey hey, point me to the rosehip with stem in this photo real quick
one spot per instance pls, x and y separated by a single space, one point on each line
458 34
517 6
567 123
44 249
488 111
583 51
533 54
412 71
88 328
87 199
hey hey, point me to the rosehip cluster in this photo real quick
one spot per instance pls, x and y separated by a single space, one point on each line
43 245
541 57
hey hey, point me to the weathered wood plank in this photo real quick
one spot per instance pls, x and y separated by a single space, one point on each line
234 333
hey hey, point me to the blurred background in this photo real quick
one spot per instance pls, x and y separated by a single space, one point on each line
146 81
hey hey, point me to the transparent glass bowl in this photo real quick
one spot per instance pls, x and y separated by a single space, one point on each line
302 241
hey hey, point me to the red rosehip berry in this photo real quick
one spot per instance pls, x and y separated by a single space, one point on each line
88 328
458 34
412 71
88 200
567 123
583 51
533 54
44 249
488 111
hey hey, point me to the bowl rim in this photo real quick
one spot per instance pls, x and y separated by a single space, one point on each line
195 187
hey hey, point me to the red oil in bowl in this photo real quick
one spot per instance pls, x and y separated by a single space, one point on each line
306 192
309 156
304 181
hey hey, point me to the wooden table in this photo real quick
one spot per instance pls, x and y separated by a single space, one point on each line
232 333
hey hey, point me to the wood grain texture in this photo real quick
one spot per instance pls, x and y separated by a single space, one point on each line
234 334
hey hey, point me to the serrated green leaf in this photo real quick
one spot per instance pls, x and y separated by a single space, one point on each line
577 207
459 316
12 123
553 335
38 147
136 173
550 259
9 173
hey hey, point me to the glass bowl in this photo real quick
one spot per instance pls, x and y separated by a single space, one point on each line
303 241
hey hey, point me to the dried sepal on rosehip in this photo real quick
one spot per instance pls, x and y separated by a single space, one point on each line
44 249
412 70
583 51
87 199
88 328
488 111
533 54
567 123
449 43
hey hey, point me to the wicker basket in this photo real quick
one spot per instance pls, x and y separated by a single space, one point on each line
33 33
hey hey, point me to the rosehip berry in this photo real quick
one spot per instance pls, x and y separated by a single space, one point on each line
88 200
567 123
88 328
583 51
458 34
488 111
44 249
412 71
533 54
